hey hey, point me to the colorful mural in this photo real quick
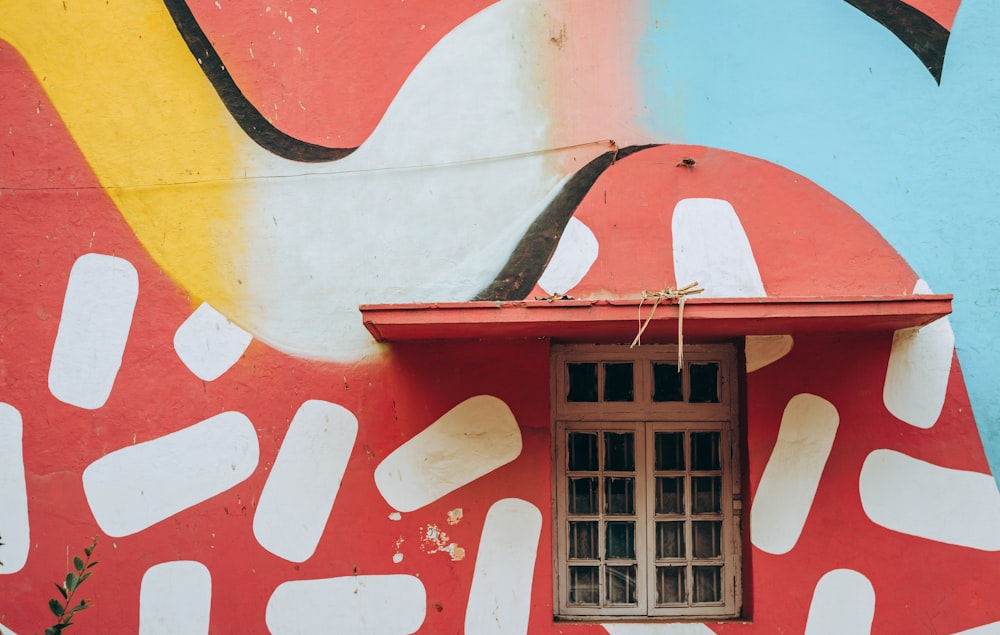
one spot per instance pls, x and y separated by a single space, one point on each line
198 196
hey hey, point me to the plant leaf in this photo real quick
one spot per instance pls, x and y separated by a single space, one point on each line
92 564
61 590
56 608
72 581
78 563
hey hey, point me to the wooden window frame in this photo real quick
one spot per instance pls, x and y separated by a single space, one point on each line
646 417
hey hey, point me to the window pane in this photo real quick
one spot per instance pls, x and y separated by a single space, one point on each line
705 451
670 540
583 495
583 540
621 584
584 585
618 382
669 450
707 536
582 451
704 382
670 585
670 495
582 382
707 584
619 495
619 452
620 540
707 494
667 383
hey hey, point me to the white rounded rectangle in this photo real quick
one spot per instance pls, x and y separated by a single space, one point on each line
472 439
843 603
500 598
918 498
175 597
303 484
360 605
93 329
711 248
138 486
788 485
13 492
209 344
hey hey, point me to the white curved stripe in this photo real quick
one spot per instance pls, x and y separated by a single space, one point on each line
986 629
175 597
919 367
787 487
842 604
138 486
93 329
13 492
572 259
429 208
762 350
657 629
914 497
472 439
303 484
500 597
209 344
360 605
711 248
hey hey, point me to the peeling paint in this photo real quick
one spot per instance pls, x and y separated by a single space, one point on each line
436 541
455 516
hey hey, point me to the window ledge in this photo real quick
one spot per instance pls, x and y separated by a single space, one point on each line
616 321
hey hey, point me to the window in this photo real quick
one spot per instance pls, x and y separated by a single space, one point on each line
647 491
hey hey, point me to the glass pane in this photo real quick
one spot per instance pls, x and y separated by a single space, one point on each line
621 584
669 450
584 585
618 382
582 382
619 495
619 452
670 540
582 451
620 539
667 383
705 451
707 584
670 495
707 537
704 382
583 495
583 540
670 585
707 494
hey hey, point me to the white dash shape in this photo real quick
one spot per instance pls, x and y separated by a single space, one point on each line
574 256
303 484
175 597
93 329
472 439
763 350
842 604
917 498
711 248
13 492
916 379
138 486
500 597
788 486
209 344
360 605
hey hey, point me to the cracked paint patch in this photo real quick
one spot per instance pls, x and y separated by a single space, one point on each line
455 516
436 541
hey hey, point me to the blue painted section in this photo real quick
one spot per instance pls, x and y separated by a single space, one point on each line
823 90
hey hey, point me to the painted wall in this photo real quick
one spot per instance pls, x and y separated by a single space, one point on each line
196 198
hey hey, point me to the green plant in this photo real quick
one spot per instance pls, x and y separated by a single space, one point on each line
65 610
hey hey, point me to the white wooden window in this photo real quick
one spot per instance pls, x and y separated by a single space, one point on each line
647 488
